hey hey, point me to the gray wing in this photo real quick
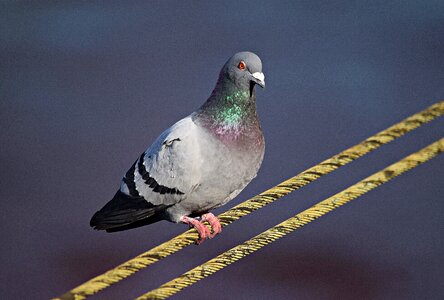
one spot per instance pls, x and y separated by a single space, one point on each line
167 171
163 175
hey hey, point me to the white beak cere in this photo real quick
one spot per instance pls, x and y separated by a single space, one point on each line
260 77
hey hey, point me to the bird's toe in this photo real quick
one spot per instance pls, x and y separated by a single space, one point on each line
214 223
201 228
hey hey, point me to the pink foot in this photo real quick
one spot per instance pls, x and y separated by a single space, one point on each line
214 223
201 228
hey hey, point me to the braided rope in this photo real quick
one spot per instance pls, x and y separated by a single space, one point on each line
240 251
161 251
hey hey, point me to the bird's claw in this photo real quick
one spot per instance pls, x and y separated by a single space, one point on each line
216 228
202 229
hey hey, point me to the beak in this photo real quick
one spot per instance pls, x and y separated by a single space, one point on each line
258 77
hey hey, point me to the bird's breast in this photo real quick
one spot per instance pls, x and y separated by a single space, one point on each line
227 167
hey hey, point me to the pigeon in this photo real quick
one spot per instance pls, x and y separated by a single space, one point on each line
200 163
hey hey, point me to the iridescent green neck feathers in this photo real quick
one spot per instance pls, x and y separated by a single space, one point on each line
229 114
234 111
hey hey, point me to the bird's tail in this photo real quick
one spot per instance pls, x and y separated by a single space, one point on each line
125 212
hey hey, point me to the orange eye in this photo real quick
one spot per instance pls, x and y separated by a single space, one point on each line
242 65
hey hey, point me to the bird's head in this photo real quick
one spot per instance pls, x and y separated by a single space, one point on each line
244 70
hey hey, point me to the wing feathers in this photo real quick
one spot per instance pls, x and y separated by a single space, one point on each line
151 182
128 179
160 178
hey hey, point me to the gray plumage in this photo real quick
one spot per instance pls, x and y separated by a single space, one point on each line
201 162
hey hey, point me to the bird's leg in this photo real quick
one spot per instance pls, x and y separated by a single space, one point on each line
201 228
214 223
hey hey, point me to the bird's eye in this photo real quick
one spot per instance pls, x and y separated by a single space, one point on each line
242 65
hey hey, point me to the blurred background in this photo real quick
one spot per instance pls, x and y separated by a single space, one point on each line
86 86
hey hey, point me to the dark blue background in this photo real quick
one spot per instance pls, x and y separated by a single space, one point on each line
86 86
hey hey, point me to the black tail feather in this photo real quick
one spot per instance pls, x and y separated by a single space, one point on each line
125 212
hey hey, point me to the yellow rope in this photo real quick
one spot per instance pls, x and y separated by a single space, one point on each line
149 257
240 251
